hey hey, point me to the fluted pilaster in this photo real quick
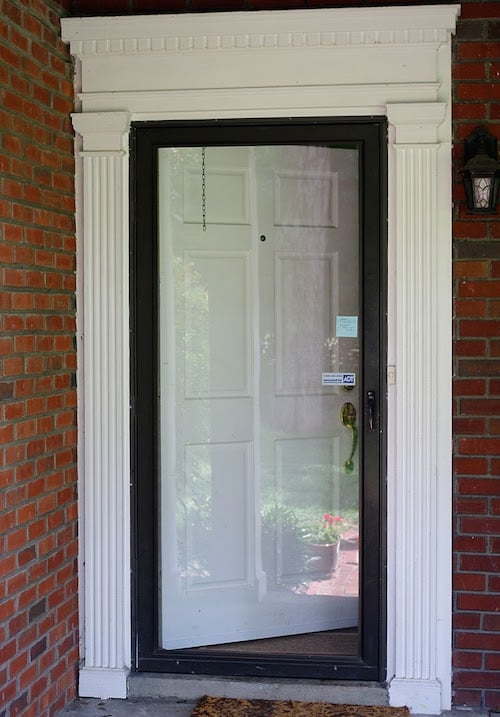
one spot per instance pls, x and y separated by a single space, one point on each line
104 392
421 463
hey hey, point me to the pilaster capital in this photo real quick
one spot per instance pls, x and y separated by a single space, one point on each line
416 122
103 132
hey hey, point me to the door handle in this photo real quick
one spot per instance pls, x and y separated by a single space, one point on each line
348 419
372 408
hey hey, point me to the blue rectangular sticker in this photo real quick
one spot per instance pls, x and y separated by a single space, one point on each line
347 326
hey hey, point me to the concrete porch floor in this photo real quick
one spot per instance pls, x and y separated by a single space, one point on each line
131 707
165 707
168 695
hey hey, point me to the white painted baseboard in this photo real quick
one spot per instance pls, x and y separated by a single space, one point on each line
420 696
103 682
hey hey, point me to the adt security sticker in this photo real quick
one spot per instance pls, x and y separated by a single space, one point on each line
338 379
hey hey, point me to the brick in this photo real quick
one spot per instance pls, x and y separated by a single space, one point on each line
471 506
470 229
484 328
466 621
19 704
480 406
478 486
27 596
467 308
469 71
469 582
494 584
494 426
486 563
469 387
472 426
480 10
492 700
476 679
38 648
476 111
485 289
477 641
469 544
470 660
479 446
38 687
477 90
492 661
16 539
26 555
494 348
471 348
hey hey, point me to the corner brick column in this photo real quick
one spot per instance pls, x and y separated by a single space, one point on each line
103 381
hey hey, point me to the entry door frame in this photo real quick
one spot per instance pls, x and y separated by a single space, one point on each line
380 61
368 136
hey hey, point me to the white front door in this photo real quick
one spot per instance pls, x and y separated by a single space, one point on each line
259 351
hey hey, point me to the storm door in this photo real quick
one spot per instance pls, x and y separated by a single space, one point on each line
266 406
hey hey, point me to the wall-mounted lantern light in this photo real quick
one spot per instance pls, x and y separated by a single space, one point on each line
481 172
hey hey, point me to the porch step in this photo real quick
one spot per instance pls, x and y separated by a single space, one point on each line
191 687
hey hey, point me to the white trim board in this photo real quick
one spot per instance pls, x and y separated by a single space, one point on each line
393 62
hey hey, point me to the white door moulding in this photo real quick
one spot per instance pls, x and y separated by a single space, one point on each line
393 62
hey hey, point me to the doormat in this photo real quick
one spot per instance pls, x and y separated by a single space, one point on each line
228 707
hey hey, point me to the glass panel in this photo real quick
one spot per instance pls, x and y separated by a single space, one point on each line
259 378
482 191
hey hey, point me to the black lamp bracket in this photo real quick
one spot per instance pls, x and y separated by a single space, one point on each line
480 142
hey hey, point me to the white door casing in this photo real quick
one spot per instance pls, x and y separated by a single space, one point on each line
393 62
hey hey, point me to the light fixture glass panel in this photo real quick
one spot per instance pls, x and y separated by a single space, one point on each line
482 192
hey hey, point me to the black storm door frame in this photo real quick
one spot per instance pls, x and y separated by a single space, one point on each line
369 136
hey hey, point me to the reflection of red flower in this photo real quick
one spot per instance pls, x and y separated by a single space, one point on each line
331 519
326 531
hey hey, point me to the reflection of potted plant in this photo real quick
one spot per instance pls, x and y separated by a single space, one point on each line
323 537
282 542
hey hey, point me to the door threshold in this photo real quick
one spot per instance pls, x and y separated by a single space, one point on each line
192 687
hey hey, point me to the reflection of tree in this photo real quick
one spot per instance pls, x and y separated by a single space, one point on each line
194 490
192 304
305 484
194 514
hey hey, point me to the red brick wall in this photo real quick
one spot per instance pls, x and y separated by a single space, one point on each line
38 536
476 656
37 430
476 598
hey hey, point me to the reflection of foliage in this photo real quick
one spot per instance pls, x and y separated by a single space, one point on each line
192 302
313 489
280 516
349 496
194 515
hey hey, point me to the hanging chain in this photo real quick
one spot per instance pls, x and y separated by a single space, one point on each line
203 191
